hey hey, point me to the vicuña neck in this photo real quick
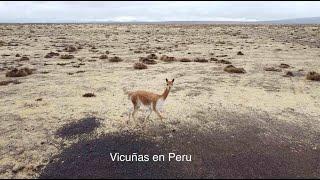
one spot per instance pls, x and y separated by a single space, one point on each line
165 93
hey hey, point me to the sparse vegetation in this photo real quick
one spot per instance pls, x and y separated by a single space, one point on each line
185 60
222 61
115 59
166 58
139 65
201 60
240 53
51 54
24 58
152 56
289 74
272 69
4 83
103 56
313 76
67 56
284 65
146 60
19 72
232 69
70 48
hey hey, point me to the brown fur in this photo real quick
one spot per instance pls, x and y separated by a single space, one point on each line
148 99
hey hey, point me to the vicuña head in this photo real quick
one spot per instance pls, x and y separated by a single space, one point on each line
153 101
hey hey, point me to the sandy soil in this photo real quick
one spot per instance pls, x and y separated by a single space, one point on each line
276 111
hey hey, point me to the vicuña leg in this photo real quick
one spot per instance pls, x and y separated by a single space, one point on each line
135 109
157 112
154 107
150 111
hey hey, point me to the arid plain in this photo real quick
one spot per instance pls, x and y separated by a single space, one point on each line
263 122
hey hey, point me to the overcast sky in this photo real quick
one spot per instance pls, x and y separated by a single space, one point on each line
54 11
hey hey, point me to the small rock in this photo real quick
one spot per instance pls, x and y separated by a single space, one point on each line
240 53
89 95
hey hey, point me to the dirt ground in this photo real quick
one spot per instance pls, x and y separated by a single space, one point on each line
257 124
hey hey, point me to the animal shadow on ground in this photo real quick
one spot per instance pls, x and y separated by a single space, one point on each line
83 126
241 153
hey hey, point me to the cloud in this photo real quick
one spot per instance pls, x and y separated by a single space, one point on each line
49 11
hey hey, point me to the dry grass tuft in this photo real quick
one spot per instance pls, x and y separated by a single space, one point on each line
103 56
4 83
232 69
70 48
51 54
152 56
313 76
115 59
67 56
284 65
146 60
24 58
201 60
289 74
185 60
222 61
240 53
166 58
272 69
140 65
19 72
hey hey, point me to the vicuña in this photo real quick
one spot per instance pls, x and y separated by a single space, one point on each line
153 101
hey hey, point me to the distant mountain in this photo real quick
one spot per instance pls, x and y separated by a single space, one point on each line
310 20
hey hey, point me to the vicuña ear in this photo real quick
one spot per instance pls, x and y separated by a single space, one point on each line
172 80
166 80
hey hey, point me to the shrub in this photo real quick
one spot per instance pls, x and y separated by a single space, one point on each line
314 76
139 65
232 69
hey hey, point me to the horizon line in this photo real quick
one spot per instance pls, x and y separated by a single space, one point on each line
155 21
